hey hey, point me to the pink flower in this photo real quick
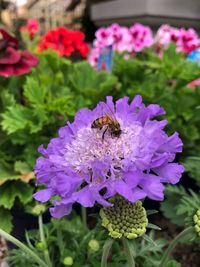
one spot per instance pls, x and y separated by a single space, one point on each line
115 35
185 40
194 83
141 37
165 35
188 40
32 27
93 56
12 60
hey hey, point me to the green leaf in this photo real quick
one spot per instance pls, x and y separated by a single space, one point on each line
5 220
34 91
173 263
170 206
192 166
12 190
22 167
149 239
18 118
153 226
151 212
6 173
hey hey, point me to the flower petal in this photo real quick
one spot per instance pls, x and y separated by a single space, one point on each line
170 173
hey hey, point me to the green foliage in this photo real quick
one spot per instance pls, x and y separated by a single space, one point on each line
164 81
12 190
180 205
192 166
68 237
6 218
169 206
33 107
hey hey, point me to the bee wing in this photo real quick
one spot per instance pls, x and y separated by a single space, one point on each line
108 111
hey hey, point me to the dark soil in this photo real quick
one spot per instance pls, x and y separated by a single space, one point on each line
3 249
188 255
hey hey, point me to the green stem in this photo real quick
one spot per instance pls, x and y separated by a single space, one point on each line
106 250
130 252
173 244
60 240
84 216
23 247
42 238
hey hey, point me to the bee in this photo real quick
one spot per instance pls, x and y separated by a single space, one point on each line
111 123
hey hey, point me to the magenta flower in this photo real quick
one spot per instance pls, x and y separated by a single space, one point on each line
141 37
80 166
32 28
12 60
117 36
185 40
122 39
188 40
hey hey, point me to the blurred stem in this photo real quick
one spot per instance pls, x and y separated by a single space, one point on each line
130 252
42 238
172 245
106 250
60 240
23 247
84 216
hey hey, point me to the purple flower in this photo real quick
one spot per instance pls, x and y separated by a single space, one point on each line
81 166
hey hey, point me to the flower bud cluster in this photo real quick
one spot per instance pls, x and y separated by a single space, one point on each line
124 219
196 219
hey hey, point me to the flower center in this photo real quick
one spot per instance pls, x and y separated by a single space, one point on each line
89 146
124 219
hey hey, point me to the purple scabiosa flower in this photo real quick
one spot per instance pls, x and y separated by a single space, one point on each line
83 165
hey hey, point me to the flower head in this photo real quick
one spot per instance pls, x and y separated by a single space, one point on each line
88 165
125 219
12 60
122 39
65 42
142 37
196 219
185 40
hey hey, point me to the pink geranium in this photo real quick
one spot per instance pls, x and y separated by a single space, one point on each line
122 39
185 40
141 37
165 35
188 40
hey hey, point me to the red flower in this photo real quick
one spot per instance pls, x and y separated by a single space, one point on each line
65 42
12 60
32 27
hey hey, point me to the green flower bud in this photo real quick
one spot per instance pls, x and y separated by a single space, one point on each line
68 261
38 209
40 246
94 245
196 219
124 219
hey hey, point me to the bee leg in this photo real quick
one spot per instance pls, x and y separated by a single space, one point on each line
104 133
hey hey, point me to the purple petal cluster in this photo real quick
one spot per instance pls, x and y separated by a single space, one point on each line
80 166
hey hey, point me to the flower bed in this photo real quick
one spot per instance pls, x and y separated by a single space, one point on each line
112 143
